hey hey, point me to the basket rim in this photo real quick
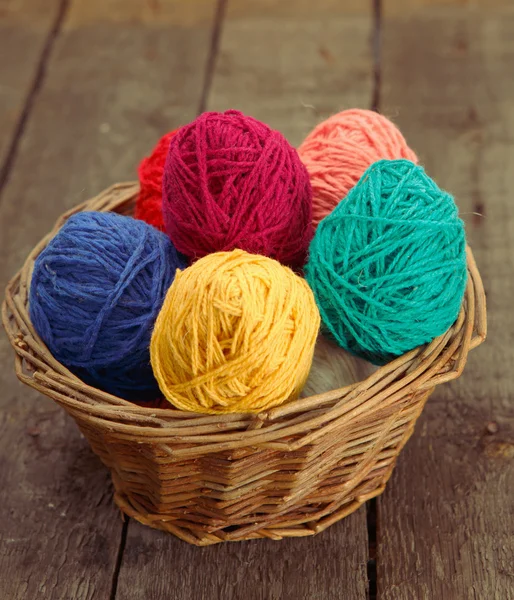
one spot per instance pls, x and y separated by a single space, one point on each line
288 426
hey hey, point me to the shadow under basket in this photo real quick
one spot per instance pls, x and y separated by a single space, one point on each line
288 472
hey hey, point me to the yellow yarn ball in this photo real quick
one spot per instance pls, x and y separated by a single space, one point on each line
236 333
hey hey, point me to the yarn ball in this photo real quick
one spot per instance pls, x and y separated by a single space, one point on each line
333 368
236 333
151 168
388 265
232 182
339 150
95 293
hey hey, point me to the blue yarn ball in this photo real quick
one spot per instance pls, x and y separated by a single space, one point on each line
388 265
95 293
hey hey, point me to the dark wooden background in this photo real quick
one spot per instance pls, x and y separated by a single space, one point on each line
86 88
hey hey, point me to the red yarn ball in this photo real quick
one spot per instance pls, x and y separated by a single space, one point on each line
232 182
149 200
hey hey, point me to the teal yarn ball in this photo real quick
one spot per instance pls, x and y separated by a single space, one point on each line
388 265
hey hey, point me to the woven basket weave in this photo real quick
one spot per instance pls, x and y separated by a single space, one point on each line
290 471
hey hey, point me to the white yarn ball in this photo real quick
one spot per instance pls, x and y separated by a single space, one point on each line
334 368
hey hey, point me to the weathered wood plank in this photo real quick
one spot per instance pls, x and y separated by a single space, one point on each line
59 531
25 29
330 566
289 64
120 75
446 520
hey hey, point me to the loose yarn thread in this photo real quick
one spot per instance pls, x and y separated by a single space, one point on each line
95 293
339 150
150 171
388 265
236 333
232 182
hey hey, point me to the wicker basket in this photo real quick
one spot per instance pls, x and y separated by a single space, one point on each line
291 471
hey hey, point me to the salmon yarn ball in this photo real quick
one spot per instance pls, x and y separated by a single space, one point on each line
232 182
236 333
150 170
339 150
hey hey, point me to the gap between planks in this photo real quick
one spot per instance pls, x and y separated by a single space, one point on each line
371 505
376 46
221 8
119 557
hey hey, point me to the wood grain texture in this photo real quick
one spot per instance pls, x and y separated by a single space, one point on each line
25 26
327 567
290 67
59 530
111 88
446 520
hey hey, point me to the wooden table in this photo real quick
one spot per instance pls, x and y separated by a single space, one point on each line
86 90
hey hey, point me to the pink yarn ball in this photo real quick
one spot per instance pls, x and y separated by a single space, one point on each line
339 150
232 182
